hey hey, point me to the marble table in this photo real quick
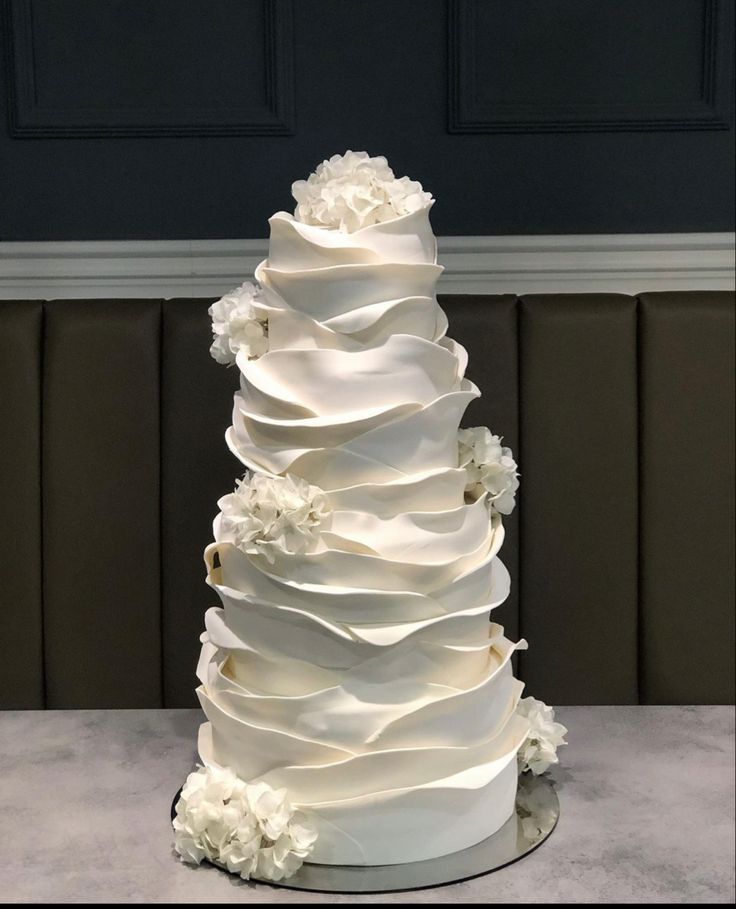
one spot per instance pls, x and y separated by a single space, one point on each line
647 813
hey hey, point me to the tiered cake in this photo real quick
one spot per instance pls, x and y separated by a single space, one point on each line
352 662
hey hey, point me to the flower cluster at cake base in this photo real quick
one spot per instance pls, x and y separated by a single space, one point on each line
353 190
239 324
490 466
545 736
266 512
535 808
248 828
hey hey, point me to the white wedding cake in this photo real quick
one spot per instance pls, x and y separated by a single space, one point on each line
361 706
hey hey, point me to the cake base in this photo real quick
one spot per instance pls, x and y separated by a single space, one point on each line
536 815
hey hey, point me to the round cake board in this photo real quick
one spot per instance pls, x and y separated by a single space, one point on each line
536 815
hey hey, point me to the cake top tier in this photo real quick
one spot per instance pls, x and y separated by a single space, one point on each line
352 191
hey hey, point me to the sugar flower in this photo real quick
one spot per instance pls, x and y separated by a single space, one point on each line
491 468
266 512
238 323
545 736
353 190
535 808
248 828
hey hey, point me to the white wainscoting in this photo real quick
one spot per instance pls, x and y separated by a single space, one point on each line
623 263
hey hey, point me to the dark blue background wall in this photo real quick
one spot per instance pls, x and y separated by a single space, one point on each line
190 118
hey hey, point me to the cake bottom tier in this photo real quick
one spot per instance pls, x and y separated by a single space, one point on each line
409 824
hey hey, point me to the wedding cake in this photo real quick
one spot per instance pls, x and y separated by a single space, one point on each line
361 707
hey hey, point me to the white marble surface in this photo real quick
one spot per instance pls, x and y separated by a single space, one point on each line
647 813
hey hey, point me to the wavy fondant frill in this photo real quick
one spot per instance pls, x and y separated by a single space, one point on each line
364 675
358 719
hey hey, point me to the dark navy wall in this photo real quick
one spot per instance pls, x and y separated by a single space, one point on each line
190 118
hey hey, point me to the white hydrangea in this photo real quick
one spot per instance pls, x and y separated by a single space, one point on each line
270 808
534 808
238 323
491 468
273 511
248 828
287 854
353 190
545 736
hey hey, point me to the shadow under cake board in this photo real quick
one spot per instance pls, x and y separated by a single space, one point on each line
536 816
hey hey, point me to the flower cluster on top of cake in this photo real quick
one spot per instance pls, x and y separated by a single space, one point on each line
352 191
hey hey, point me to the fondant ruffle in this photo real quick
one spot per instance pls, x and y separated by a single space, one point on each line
363 674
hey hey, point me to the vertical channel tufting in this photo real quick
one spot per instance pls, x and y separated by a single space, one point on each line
640 667
687 522
197 469
102 604
579 502
21 621
486 327
117 413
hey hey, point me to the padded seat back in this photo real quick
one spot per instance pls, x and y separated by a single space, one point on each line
620 412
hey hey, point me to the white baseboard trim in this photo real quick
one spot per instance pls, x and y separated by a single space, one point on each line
592 263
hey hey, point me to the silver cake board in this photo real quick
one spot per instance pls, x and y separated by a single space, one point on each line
536 816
